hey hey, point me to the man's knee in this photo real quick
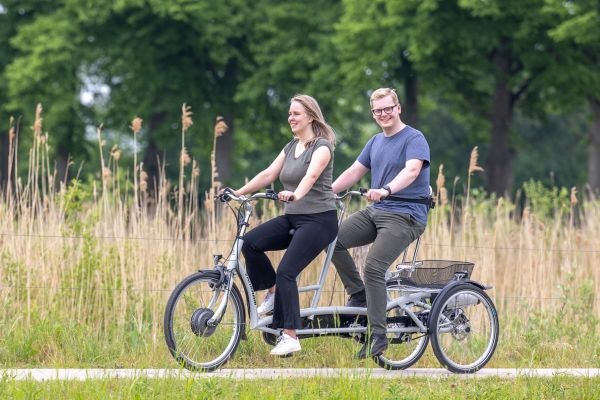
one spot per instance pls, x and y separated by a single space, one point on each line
374 274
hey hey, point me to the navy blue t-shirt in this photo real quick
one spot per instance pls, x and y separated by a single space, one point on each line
387 156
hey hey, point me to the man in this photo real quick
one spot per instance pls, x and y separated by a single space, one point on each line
398 158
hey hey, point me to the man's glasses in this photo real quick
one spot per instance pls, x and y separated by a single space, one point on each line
387 110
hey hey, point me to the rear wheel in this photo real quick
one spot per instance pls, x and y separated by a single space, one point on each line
192 340
464 328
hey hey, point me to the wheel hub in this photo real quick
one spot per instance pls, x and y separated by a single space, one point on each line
199 322
462 327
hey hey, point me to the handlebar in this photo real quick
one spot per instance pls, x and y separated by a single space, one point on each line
428 201
228 195
359 192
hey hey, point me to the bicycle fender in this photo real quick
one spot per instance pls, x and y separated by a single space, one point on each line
214 273
452 284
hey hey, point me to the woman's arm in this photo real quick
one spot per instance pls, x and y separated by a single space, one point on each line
318 163
263 178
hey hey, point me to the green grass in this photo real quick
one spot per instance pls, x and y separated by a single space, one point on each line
315 388
544 340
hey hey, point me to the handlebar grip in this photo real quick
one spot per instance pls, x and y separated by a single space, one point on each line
224 197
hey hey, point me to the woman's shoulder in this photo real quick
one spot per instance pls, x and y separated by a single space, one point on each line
290 145
321 141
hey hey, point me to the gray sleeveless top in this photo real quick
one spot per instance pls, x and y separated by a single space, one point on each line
320 196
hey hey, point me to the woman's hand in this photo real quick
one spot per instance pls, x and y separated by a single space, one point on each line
286 195
230 190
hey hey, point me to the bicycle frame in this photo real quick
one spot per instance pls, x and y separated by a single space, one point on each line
234 266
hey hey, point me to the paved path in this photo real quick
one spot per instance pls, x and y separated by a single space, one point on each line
378 373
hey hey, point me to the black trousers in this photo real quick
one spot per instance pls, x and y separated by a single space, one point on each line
311 235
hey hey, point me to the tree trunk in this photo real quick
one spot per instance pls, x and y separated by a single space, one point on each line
3 160
594 152
152 156
224 143
499 163
411 92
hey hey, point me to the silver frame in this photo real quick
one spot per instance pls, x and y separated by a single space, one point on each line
409 295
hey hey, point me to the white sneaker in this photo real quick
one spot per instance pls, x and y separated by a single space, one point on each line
286 345
267 304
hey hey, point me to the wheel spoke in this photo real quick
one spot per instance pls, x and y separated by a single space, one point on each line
195 343
465 329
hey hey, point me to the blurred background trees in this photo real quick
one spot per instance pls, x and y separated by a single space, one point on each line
520 79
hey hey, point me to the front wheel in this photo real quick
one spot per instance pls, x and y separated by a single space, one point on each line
464 328
193 341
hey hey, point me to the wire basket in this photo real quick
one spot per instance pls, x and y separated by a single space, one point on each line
431 273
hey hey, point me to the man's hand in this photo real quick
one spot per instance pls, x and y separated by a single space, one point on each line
376 195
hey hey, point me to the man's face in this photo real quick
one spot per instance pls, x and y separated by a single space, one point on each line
386 112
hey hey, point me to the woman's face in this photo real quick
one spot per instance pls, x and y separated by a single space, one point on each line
298 118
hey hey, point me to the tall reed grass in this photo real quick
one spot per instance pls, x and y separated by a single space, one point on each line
86 267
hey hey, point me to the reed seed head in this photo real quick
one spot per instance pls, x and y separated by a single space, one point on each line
136 125
185 157
115 152
186 117
441 179
144 181
195 169
573 196
220 126
106 174
473 167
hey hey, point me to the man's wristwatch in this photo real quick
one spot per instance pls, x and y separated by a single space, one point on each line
387 187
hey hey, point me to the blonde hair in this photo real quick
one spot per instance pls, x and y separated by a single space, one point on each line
382 92
319 126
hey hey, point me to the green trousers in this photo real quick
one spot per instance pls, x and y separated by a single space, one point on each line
390 233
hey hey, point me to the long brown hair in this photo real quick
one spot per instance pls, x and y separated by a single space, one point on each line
319 126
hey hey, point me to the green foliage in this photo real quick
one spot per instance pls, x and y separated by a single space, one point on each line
72 200
554 332
546 202
245 60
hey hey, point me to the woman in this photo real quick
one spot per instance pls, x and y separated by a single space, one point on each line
309 223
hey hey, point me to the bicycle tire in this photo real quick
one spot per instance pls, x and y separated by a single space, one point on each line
464 328
194 344
404 349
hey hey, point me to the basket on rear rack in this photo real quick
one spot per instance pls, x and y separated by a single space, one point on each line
430 273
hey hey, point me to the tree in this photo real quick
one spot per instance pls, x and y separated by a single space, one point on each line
151 55
374 37
493 56
292 51
579 30
14 15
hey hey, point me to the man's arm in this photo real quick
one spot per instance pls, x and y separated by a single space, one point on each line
349 177
405 177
